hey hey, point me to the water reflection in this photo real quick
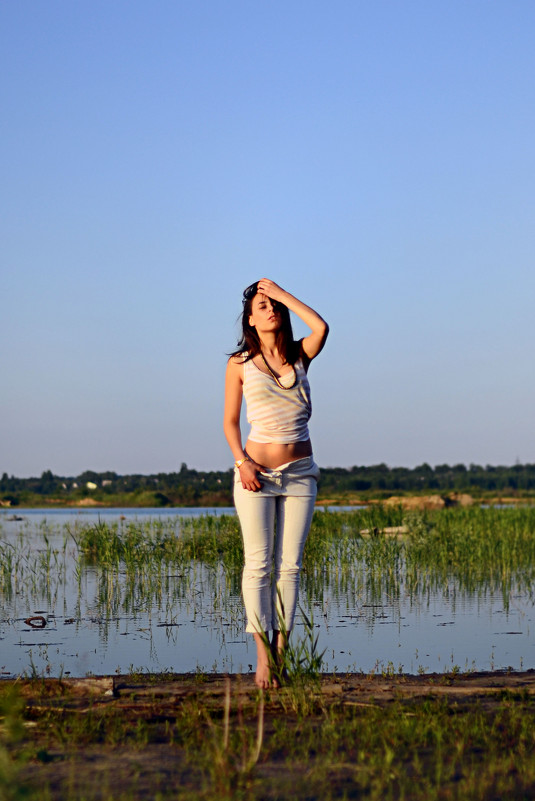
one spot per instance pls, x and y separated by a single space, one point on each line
106 619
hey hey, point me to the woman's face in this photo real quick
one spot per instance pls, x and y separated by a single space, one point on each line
264 315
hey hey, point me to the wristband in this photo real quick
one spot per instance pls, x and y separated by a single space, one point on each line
239 463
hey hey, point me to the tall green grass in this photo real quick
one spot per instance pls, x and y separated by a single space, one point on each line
480 550
474 551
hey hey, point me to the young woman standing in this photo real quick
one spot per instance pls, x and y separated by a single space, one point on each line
275 476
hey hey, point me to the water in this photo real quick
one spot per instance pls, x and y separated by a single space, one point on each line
91 514
102 622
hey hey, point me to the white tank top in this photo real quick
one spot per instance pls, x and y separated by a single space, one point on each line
276 415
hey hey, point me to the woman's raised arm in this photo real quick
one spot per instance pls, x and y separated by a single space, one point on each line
314 342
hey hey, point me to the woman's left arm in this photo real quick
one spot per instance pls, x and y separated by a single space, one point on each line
314 342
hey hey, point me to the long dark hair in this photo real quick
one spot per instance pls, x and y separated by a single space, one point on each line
249 341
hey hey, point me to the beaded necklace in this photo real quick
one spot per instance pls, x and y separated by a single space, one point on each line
276 377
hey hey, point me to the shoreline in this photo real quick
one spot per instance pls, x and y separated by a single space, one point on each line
388 685
407 502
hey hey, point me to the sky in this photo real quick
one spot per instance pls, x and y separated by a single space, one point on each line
375 158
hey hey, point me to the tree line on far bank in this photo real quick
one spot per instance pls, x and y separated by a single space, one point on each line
188 487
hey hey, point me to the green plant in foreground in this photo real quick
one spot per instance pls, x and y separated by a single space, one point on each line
11 734
224 749
245 744
297 666
302 661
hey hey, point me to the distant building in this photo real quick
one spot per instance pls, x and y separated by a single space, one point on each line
90 485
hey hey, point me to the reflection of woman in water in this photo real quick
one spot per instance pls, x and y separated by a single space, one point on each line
275 476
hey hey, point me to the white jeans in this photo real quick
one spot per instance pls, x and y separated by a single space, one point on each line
287 498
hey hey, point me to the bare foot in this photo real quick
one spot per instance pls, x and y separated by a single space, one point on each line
263 677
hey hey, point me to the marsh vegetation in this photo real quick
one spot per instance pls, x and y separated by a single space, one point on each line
375 733
384 586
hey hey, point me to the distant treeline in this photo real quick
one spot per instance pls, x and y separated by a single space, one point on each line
189 487
441 478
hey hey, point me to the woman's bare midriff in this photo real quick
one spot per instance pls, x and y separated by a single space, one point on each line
272 454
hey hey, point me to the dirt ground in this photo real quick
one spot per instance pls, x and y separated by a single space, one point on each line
110 766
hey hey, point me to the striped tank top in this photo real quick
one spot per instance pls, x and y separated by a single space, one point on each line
274 414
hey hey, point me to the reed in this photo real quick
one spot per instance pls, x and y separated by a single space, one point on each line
192 566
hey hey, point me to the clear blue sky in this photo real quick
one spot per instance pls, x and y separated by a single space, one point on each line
374 158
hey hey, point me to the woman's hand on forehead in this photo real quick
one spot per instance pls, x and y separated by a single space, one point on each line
267 287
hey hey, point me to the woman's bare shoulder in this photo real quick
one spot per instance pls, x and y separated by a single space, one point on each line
236 362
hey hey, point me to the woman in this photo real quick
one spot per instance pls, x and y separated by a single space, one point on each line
275 477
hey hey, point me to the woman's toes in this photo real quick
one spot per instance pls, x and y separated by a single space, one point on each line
263 676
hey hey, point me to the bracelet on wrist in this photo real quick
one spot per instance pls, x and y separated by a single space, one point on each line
239 463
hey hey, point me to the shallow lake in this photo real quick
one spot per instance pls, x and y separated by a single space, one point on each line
101 622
